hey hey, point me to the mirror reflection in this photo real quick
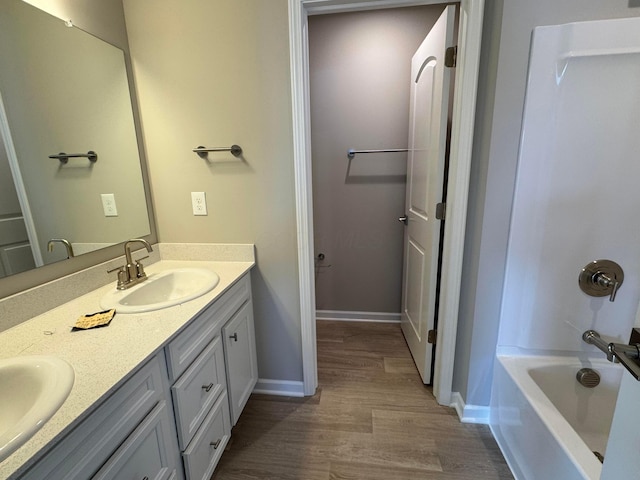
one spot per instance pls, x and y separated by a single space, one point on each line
63 91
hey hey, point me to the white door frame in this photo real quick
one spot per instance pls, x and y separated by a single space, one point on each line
464 102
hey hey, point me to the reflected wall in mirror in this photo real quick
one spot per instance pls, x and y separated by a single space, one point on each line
63 90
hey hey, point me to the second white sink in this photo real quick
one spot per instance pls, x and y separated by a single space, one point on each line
32 389
162 290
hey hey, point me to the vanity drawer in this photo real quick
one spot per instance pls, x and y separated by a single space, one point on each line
184 349
83 451
197 390
204 452
147 453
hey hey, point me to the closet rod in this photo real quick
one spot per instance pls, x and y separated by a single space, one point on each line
352 153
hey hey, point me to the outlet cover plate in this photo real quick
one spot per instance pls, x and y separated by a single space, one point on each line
199 203
109 204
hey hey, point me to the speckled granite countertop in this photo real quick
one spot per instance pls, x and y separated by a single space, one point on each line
102 358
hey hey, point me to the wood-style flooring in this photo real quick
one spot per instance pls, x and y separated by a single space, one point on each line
371 419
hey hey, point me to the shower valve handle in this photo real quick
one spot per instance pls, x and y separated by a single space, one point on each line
605 281
601 278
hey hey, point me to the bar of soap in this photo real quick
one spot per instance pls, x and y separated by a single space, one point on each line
94 320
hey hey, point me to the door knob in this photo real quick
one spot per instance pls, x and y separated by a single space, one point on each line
404 219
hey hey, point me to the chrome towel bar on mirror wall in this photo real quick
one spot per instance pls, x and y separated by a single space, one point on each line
202 152
64 157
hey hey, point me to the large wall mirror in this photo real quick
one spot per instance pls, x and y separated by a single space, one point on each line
63 90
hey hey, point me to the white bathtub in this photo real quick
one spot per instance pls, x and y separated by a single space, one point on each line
546 423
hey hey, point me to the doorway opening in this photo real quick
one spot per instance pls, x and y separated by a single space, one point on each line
360 75
468 58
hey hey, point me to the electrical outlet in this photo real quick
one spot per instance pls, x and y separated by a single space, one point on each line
109 204
199 203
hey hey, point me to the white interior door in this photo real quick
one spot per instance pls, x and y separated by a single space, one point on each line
19 256
430 82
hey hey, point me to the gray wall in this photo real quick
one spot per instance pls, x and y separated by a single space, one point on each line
215 73
505 52
105 18
360 66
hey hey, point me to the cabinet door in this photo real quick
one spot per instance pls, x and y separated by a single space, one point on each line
240 355
80 454
148 453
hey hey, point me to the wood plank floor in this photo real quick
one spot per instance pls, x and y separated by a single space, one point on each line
371 419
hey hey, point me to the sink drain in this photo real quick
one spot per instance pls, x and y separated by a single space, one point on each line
588 377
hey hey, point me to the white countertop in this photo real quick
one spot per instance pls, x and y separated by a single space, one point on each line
102 358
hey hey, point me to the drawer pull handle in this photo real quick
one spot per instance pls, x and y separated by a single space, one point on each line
207 387
234 336
216 444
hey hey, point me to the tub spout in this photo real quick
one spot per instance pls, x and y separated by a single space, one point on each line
593 338
627 355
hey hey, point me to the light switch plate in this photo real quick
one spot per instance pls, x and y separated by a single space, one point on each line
199 203
109 204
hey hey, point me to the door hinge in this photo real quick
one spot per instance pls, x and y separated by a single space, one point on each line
441 211
431 336
450 57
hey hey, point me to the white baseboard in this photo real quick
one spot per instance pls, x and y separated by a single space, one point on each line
349 316
469 413
284 388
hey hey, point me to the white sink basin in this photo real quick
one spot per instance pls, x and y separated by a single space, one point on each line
162 290
32 389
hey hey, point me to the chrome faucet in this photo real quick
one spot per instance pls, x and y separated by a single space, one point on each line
132 272
63 241
627 355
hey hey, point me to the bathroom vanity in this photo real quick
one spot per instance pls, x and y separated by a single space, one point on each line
156 394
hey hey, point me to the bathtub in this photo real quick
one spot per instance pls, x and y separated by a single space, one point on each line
547 424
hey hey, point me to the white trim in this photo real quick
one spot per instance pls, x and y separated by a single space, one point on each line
284 388
318 7
469 37
464 107
299 49
349 316
469 413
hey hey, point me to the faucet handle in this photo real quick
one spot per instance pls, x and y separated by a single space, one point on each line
140 273
122 275
614 290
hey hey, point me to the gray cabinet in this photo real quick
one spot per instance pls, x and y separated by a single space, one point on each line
171 419
204 451
212 381
146 452
107 430
240 354
197 390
